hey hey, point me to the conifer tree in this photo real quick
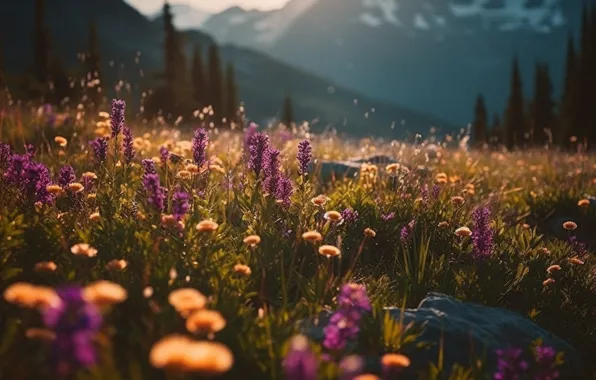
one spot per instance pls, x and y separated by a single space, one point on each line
215 81
93 66
61 88
41 44
171 57
515 119
231 98
479 125
568 121
542 109
199 83
586 79
287 116
2 80
496 130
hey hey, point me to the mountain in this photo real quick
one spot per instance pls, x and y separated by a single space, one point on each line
430 55
132 51
185 16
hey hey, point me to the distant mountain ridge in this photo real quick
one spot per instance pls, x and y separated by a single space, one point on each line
433 56
185 16
131 49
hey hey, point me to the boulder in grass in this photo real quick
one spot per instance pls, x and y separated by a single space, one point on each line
351 168
468 331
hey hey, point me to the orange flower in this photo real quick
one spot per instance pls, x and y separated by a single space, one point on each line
329 251
369 232
91 197
548 281
104 293
366 376
333 216
95 217
207 226
116 265
242 269
584 203
83 249
395 361
184 174
40 334
192 169
170 221
457 200
206 321
553 268
252 240
60 141
392 168
180 354
443 224
187 300
75 187
439 181
319 200
312 236
54 189
463 232
90 175
45 266
569 225
576 261
31 296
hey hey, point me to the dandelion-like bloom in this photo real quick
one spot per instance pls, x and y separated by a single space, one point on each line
569 225
458 200
128 145
180 204
482 236
300 362
95 217
54 189
100 149
369 232
207 226
242 269
319 200
583 203
61 141
329 251
187 300
312 236
258 149
510 365
545 357
284 191
180 354
116 265
367 376
304 156
199 147
83 249
349 216
36 333
443 224
333 216
75 323
394 361
31 296
205 321
45 266
66 176
463 231
154 191
104 293
117 116
252 240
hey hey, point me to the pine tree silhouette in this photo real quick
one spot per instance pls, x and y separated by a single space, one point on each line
496 131
586 118
231 98
568 121
215 81
479 125
287 116
542 106
41 54
515 119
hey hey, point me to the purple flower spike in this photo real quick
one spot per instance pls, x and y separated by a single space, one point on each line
100 149
300 363
304 156
67 176
155 193
128 145
180 205
259 147
199 147
117 116
482 234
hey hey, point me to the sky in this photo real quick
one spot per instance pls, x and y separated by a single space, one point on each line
150 6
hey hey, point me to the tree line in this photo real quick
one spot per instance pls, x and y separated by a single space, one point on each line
544 120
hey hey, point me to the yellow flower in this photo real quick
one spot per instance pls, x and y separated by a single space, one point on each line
366 376
252 240
91 197
180 354
329 251
192 168
207 321
104 293
392 168
184 174
207 226
443 224
369 232
242 269
90 175
45 266
569 225
104 115
463 232
83 249
60 141
75 187
312 236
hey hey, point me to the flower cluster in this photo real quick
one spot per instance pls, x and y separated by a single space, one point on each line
128 145
154 191
67 176
259 149
30 177
349 216
344 323
482 235
199 147
304 156
180 205
100 149
510 364
117 116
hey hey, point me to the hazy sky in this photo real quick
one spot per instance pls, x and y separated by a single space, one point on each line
147 6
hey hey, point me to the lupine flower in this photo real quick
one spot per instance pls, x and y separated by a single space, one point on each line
117 116
148 167
164 155
436 191
546 362
30 150
510 365
100 149
5 154
258 148
482 236
304 156
271 170
388 217
75 323
155 193
353 296
406 232
284 191
248 133
300 362
349 216
180 205
67 176
128 145
199 147
36 181
344 323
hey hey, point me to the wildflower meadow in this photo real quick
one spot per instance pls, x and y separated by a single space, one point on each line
142 250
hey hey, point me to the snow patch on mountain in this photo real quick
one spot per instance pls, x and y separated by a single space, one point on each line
370 20
272 27
388 9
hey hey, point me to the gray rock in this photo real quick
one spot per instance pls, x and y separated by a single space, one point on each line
351 168
468 331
